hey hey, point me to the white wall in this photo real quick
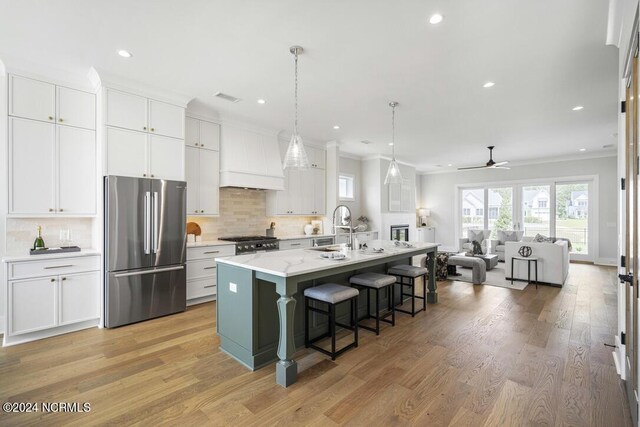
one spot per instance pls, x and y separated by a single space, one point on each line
439 194
4 185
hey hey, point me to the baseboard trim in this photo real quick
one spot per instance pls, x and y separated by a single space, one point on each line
2 323
608 262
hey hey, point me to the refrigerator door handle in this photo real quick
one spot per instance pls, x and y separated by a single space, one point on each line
155 222
154 271
147 222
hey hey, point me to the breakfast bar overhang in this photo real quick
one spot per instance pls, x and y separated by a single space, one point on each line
250 287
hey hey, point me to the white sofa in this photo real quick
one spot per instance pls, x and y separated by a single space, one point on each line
498 246
553 261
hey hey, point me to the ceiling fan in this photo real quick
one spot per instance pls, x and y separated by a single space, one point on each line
491 164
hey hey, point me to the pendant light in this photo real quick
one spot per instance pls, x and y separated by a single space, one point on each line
393 173
296 157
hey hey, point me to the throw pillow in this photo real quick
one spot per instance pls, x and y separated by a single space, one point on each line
508 236
476 235
543 239
477 248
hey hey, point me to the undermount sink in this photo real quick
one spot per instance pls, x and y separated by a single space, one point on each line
331 248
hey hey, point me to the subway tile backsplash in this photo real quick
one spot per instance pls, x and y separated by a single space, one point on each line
21 232
243 212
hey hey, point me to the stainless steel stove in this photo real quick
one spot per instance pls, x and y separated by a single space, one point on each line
252 244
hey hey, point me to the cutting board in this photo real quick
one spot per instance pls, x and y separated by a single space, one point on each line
193 228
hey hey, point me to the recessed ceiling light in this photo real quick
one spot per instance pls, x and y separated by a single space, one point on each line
577 108
449 164
436 18
261 101
125 53
583 149
488 84
390 144
336 127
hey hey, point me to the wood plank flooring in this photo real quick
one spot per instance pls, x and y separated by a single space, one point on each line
483 356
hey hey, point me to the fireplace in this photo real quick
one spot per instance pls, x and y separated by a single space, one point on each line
400 232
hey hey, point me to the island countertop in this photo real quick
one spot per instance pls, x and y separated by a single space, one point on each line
307 260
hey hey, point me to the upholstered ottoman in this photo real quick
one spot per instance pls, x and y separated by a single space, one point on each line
477 265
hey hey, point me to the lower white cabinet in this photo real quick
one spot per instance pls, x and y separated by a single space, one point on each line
202 271
50 297
426 234
362 236
295 244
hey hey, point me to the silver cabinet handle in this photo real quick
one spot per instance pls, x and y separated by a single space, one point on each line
209 268
295 244
209 286
154 271
212 252
58 266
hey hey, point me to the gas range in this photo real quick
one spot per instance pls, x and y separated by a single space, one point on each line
252 244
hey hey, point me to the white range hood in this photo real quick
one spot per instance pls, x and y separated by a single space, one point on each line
250 159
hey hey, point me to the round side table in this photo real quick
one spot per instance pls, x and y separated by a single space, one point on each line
529 261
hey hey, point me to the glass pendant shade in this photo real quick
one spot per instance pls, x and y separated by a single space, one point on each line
296 156
393 174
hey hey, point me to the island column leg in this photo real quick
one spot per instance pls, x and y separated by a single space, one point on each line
432 294
286 367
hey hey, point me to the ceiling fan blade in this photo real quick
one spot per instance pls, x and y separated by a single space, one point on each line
501 163
473 167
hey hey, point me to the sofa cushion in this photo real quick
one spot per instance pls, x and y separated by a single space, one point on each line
499 248
543 239
509 236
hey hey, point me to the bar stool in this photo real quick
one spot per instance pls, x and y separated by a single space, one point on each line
376 282
410 272
332 294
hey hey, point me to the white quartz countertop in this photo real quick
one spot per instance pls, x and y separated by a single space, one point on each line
304 236
25 256
209 243
301 261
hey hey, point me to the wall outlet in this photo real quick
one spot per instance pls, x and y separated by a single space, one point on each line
233 287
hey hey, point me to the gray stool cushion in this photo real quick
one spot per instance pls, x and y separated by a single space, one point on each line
407 270
373 280
331 293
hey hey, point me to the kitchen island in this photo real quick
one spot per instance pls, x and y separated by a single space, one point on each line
251 286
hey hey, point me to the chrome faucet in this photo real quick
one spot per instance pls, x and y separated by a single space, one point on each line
345 215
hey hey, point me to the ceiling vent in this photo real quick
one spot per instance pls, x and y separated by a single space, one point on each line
608 146
365 141
226 97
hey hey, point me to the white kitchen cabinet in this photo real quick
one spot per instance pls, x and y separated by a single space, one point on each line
32 163
319 192
125 110
166 158
203 181
79 296
426 234
127 152
202 134
32 99
76 171
52 296
295 244
32 305
76 108
317 157
202 271
166 119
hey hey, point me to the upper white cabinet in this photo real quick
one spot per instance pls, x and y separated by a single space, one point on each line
317 157
202 134
305 190
125 110
129 111
144 137
38 100
76 108
52 169
32 99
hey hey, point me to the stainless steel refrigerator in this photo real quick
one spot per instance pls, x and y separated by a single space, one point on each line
145 249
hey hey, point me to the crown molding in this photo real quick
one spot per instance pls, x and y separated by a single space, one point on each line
381 157
37 71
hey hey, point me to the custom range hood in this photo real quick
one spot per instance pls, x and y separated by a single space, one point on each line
250 159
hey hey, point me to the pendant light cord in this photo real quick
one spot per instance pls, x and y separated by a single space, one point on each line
295 123
393 132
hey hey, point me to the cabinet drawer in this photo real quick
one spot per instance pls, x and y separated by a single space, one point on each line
295 244
201 288
201 268
210 251
53 267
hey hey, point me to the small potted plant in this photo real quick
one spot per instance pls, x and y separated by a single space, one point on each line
363 223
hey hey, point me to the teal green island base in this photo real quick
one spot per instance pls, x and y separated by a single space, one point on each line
260 306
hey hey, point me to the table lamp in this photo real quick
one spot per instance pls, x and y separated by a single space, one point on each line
424 215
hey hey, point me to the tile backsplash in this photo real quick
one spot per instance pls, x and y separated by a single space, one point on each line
243 212
21 232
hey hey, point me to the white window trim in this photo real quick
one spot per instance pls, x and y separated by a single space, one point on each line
353 179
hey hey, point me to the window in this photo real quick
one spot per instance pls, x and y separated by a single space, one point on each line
346 184
582 203
542 203
479 212
466 212
493 213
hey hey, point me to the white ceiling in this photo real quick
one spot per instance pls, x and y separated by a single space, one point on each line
545 56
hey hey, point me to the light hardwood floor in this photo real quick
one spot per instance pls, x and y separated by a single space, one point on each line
482 356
